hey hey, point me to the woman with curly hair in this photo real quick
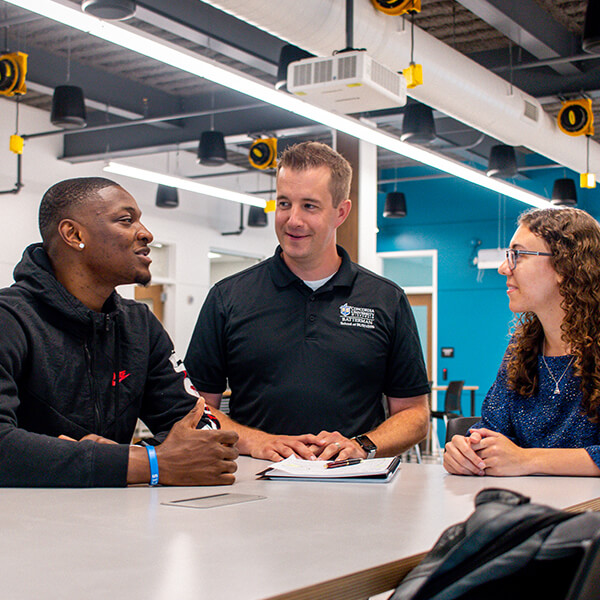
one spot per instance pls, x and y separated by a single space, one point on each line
541 415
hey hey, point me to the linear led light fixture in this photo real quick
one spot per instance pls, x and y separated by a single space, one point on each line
182 183
147 45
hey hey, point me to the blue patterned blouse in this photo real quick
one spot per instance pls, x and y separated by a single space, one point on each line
544 420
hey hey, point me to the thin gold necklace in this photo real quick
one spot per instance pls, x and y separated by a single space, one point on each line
556 381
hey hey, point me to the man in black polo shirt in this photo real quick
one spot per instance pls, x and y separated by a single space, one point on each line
309 341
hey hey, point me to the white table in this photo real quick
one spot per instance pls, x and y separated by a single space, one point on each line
305 540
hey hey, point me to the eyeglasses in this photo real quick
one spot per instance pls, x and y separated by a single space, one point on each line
513 255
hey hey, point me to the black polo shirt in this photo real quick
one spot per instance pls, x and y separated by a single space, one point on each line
299 361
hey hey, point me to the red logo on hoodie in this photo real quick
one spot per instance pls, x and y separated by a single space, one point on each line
122 375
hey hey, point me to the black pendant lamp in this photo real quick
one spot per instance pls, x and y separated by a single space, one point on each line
418 126
287 55
68 107
395 205
591 28
502 162
110 10
564 192
257 217
211 150
167 197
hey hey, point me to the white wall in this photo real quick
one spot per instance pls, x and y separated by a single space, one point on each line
224 268
192 228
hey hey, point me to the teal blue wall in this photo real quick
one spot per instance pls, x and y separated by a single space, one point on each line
448 214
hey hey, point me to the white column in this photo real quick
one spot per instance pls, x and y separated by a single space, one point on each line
367 215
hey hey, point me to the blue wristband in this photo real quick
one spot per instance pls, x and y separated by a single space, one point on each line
153 464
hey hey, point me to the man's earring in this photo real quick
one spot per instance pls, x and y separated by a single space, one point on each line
81 245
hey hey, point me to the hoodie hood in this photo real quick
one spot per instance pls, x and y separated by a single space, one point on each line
34 274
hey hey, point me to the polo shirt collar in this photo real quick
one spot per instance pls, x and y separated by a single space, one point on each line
282 276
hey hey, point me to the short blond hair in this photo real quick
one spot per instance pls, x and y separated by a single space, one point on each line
312 155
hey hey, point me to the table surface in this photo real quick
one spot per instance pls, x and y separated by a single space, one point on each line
117 543
441 388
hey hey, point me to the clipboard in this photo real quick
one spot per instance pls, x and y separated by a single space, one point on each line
374 470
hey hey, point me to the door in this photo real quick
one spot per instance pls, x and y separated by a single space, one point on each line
152 295
421 305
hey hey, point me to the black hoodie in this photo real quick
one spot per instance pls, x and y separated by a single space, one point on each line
65 369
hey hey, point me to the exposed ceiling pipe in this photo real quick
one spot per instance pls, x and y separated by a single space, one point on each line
19 184
447 175
145 121
536 64
453 83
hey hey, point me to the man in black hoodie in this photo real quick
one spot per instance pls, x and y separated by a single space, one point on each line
79 364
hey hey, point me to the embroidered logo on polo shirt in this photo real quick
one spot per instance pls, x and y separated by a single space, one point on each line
355 316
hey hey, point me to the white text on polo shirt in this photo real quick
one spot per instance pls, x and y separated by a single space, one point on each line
354 316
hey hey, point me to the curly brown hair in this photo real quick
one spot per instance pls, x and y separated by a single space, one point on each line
574 240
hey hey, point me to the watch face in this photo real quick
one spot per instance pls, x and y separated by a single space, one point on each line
366 443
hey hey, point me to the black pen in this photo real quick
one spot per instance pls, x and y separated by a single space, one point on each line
343 463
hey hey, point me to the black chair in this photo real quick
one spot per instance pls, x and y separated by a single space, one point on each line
452 406
451 410
459 426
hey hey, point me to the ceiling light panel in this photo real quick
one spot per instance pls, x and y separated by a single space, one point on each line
182 183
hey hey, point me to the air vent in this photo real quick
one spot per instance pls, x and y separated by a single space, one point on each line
323 71
490 258
347 67
303 75
531 111
385 78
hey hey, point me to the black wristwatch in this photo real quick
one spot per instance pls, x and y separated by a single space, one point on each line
366 444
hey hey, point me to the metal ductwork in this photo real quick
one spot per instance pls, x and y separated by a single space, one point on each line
453 83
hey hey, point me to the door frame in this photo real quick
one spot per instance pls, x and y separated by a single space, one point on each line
431 290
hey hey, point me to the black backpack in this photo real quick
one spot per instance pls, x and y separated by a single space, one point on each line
510 549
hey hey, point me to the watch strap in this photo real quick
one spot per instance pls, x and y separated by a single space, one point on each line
366 444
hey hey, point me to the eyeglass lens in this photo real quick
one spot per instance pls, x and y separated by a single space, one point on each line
511 258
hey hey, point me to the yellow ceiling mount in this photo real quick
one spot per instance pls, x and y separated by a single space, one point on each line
397 7
413 75
587 180
576 117
16 144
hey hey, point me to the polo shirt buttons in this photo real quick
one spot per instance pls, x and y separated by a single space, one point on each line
312 298
312 318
